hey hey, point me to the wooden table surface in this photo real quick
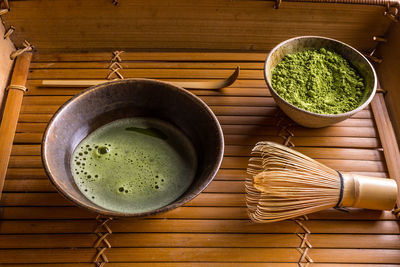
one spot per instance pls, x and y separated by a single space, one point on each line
38 226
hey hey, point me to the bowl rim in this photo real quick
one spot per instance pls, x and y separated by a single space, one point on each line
166 208
340 115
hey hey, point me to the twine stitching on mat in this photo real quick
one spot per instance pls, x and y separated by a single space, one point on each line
286 134
114 69
102 244
284 129
103 224
372 57
277 4
114 66
102 238
304 257
116 56
284 124
299 223
100 253
9 32
27 47
390 3
305 245
304 240
392 12
379 39
103 231
4 7
5 4
17 87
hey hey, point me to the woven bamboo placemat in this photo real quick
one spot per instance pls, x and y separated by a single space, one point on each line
38 226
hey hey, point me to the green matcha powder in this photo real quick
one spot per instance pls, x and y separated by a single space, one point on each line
319 81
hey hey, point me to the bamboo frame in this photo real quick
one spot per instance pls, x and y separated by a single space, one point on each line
357 2
388 138
11 112
215 212
235 45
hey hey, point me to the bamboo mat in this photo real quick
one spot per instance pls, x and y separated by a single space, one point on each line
38 226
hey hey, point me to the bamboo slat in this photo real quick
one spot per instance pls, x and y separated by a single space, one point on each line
201 254
239 150
361 142
239 120
188 212
389 77
209 57
232 163
388 138
222 175
200 240
341 165
218 110
210 100
158 264
249 140
196 264
44 185
249 129
28 185
199 226
158 25
204 200
38 173
219 185
233 120
23 173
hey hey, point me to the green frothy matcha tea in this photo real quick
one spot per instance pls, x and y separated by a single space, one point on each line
134 165
319 81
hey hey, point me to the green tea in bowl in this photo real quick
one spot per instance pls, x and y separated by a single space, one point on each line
319 81
134 165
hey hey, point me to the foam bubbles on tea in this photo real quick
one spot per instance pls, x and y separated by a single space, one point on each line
134 165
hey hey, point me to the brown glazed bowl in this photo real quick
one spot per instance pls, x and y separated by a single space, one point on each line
297 44
107 102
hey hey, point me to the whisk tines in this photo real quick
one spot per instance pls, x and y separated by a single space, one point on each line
287 184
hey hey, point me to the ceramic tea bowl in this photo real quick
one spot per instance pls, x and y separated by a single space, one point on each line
298 44
107 102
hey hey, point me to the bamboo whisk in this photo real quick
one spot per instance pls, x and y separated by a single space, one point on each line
286 184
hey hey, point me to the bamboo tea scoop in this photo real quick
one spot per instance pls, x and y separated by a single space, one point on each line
214 85
287 184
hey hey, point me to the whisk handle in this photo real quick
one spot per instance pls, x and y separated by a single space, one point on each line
368 192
